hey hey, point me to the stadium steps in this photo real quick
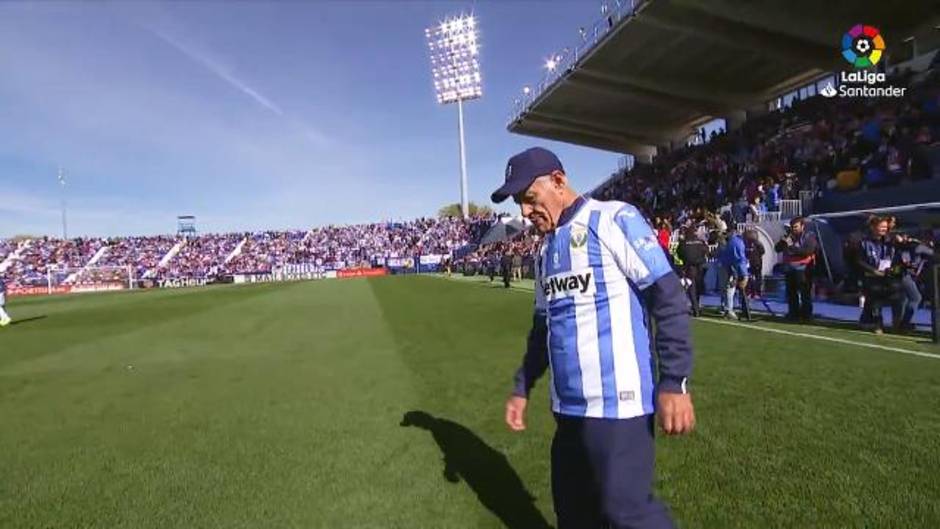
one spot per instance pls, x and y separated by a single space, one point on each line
15 255
91 262
170 254
98 255
235 251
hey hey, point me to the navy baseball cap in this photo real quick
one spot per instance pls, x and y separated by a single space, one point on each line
523 168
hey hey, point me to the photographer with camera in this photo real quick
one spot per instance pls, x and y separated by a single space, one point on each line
755 258
693 252
880 284
798 247
911 257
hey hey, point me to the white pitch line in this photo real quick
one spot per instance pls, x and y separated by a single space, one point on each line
934 356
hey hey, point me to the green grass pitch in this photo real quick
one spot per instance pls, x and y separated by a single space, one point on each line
287 405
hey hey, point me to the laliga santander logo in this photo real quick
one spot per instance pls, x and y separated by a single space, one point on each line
862 46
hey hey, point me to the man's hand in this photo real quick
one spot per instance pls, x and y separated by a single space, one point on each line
742 283
675 413
515 413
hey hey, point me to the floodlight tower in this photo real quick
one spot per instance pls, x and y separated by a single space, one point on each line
456 70
65 225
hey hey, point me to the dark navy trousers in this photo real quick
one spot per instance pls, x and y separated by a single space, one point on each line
602 474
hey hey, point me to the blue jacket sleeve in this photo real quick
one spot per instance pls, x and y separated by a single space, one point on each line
535 361
740 257
672 340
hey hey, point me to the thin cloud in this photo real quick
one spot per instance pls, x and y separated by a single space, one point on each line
220 71
27 204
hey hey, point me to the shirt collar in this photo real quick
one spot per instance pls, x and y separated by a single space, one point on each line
570 211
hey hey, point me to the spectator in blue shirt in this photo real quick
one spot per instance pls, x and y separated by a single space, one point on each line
733 259
773 197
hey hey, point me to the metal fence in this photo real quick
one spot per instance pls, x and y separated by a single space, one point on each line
791 209
806 202
565 60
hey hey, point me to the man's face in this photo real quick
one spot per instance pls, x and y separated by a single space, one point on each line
797 228
881 228
543 202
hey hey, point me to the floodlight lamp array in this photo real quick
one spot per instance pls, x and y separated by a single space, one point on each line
454 51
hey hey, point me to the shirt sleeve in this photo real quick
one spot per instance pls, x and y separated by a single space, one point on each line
667 305
741 264
641 257
535 360
541 304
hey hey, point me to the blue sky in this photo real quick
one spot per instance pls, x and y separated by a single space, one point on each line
257 115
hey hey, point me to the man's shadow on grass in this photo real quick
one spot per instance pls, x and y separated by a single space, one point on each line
485 470
27 320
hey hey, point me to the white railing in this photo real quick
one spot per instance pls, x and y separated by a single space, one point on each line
674 237
613 12
767 216
790 209
806 202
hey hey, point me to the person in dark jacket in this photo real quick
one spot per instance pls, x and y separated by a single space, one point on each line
693 252
879 285
506 267
492 264
909 262
755 260
798 247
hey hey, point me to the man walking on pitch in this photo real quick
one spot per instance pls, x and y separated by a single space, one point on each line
4 317
506 267
733 258
599 272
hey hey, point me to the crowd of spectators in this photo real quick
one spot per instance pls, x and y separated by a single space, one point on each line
41 256
817 145
262 251
200 257
493 259
6 248
212 255
143 254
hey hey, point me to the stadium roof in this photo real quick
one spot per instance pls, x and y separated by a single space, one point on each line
664 67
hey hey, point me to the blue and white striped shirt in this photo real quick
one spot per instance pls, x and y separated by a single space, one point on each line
592 273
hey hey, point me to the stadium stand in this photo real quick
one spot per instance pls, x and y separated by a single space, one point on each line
42 255
213 255
143 253
784 150
738 120
200 256
816 145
